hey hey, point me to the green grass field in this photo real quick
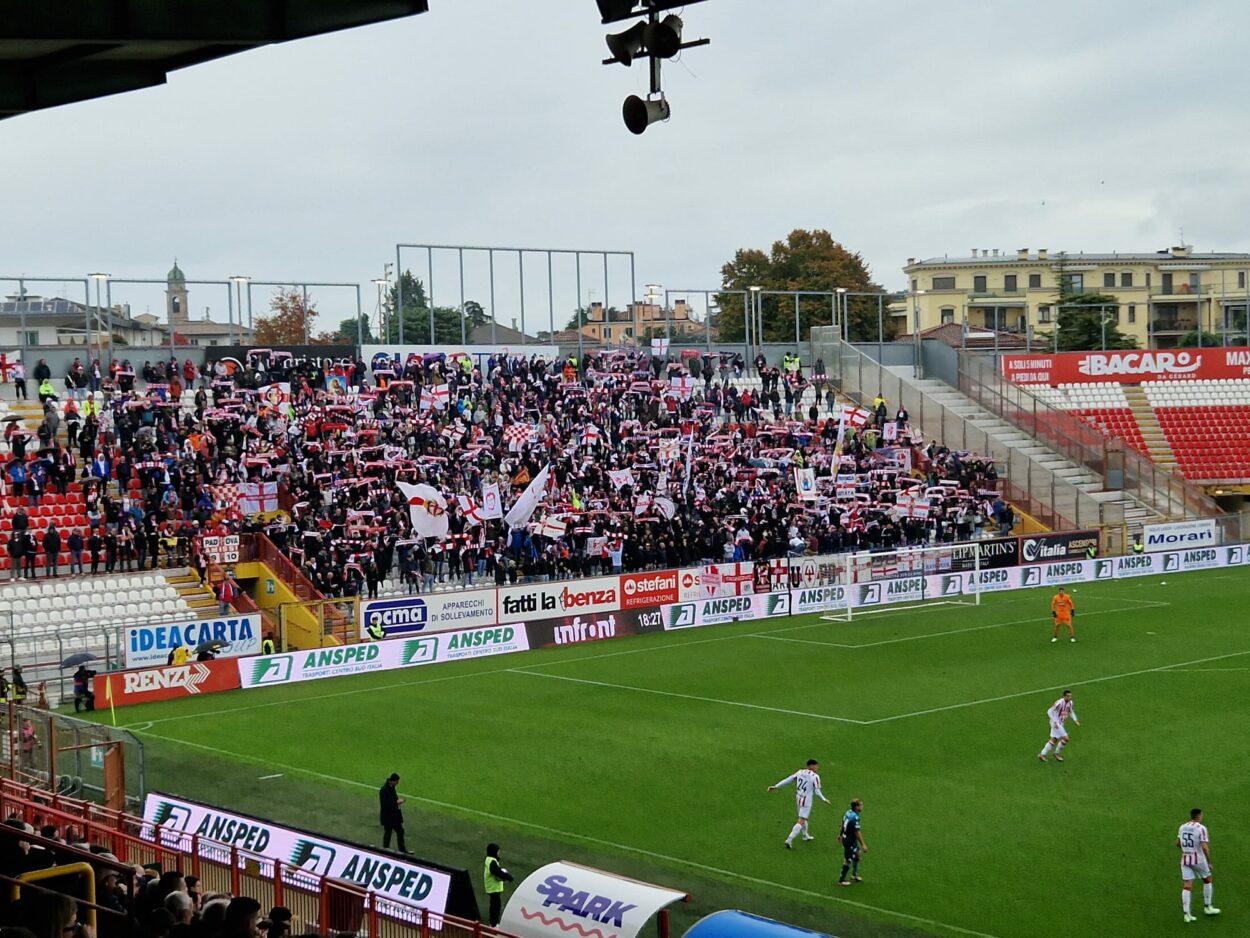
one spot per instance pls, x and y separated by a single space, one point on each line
650 756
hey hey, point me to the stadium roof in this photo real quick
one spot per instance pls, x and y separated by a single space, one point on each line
57 53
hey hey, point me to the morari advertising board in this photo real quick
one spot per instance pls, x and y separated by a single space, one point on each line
173 821
1172 535
433 612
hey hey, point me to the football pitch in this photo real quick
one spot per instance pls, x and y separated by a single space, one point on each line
650 756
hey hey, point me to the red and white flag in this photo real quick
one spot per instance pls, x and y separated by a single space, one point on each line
472 513
591 436
517 435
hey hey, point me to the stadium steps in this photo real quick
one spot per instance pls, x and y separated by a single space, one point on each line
1004 435
198 597
1157 444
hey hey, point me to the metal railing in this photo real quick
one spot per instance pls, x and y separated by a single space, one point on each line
316 901
1054 502
1148 483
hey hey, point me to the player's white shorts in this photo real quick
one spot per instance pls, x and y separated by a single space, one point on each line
1057 731
804 809
1199 870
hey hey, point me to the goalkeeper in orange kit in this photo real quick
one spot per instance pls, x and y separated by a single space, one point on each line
1062 609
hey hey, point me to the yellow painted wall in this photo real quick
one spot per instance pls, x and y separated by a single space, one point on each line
302 628
1027 524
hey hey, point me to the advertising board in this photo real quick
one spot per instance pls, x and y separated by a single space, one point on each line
175 821
688 584
642 590
530 601
369 657
151 644
1120 568
173 682
818 599
971 582
434 612
998 552
1177 534
580 629
727 579
1069 545
812 572
1130 366
722 609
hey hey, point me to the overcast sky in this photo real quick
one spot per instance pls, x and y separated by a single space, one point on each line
905 128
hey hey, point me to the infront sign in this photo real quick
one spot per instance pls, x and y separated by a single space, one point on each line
563 899
578 630
553 600
175 821
1130 366
174 682
148 645
1070 545
1179 534
369 657
406 615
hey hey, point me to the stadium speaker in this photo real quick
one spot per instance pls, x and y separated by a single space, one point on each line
663 39
640 113
624 46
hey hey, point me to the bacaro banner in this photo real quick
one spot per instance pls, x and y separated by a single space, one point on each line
1129 366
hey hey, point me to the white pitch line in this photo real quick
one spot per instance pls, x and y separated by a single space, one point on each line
569 835
265 778
914 638
1026 693
1191 670
669 693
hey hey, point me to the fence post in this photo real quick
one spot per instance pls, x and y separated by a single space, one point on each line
277 884
425 922
234 870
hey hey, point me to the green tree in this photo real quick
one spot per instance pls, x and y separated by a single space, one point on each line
1088 322
1196 338
348 332
580 317
417 315
806 260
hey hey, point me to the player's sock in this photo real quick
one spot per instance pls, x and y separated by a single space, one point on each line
854 867
1185 900
1207 890
1048 749
1059 748
845 869
794 832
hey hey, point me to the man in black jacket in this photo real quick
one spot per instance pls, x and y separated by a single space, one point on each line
391 818
52 551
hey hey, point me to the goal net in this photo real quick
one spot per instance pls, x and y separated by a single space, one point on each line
916 576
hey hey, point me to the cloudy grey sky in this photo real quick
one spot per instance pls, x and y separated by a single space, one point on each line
905 128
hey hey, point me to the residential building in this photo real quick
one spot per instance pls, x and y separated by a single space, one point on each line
640 322
1158 297
28 320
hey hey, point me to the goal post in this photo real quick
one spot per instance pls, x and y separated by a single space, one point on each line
912 577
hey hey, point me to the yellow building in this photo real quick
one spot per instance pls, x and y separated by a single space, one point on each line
640 322
1160 296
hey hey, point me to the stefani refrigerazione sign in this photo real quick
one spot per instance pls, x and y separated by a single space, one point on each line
407 615
148 645
1180 534
174 821
370 657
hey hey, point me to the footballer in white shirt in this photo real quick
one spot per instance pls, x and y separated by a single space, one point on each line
806 787
1059 713
1193 840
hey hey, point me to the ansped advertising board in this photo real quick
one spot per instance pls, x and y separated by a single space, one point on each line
170 682
148 645
1127 367
407 615
368 657
173 821
718 609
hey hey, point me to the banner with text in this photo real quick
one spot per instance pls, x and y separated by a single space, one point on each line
1178 534
148 645
174 682
433 612
1130 366
530 601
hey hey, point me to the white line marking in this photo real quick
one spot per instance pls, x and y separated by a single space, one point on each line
1041 690
913 638
1187 670
668 693
265 778
568 835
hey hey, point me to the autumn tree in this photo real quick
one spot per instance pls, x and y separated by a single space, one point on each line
806 260
290 321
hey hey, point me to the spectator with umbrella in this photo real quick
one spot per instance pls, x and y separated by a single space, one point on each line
84 697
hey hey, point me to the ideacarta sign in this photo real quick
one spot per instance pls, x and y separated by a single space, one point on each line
174 821
553 600
369 657
640 590
166 683
1180 534
1127 367
405 615
148 645
1071 545
563 899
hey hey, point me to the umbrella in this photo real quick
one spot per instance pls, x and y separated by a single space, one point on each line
12 418
215 645
74 661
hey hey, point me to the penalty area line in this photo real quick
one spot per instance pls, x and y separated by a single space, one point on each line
583 838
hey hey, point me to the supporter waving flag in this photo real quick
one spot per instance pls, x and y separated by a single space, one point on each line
427 509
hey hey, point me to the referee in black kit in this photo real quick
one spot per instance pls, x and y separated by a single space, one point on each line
389 815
